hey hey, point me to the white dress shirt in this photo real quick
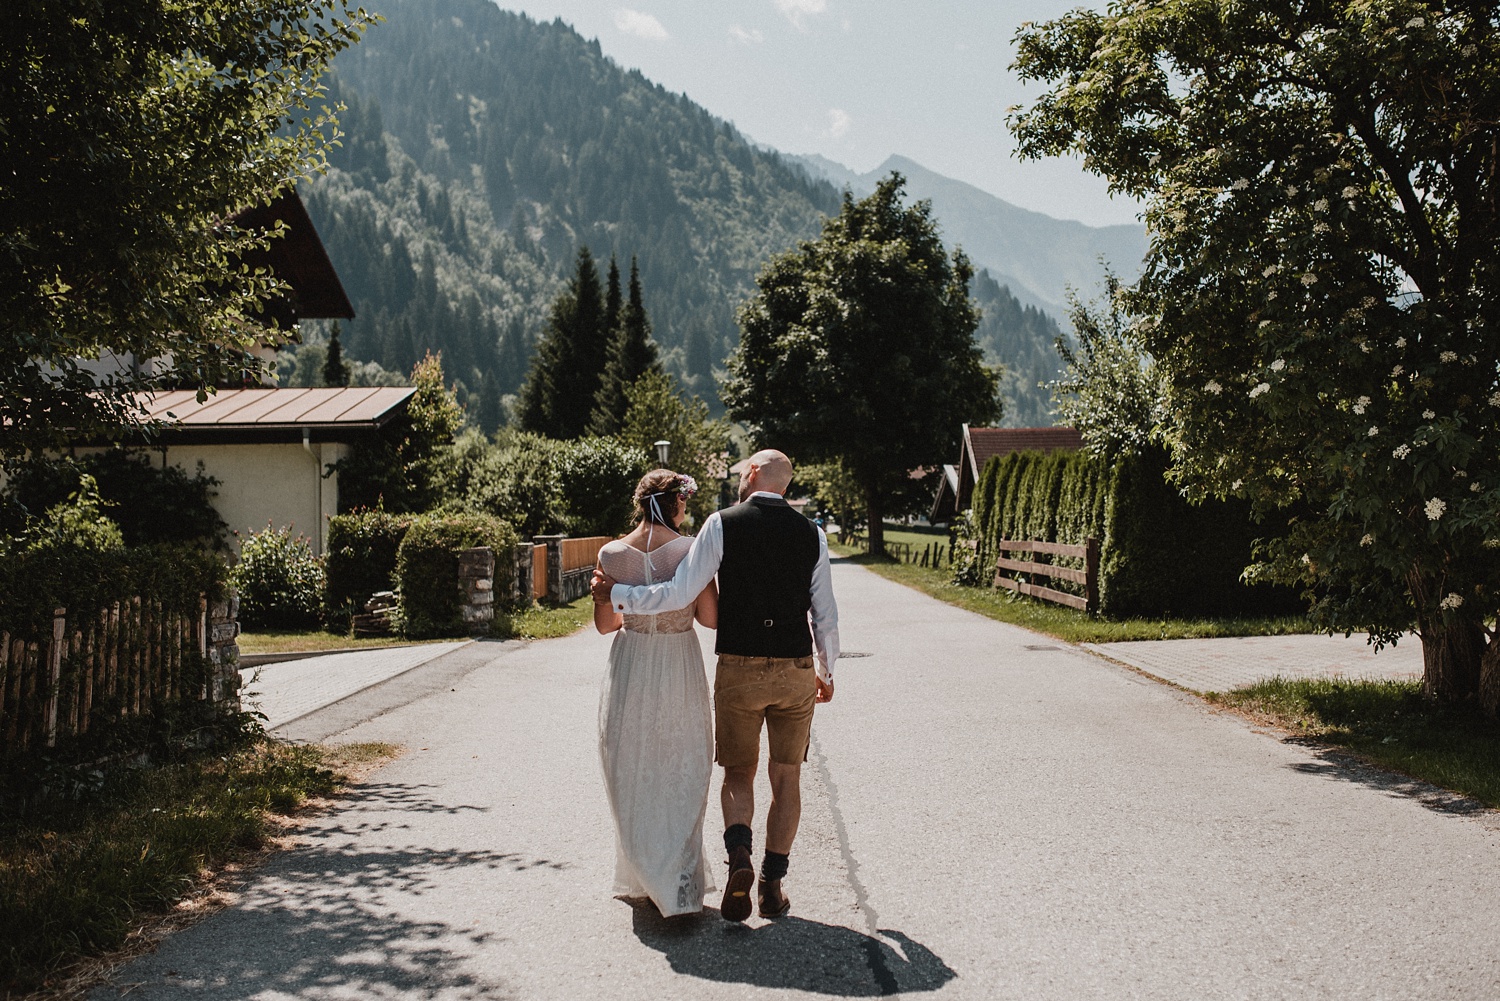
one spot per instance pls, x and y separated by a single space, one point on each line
702 563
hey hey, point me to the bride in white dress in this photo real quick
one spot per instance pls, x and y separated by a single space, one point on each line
655 723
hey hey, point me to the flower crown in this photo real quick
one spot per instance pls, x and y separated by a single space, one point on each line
686 487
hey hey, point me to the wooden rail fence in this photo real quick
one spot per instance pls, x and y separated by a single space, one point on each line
125 660
1031 569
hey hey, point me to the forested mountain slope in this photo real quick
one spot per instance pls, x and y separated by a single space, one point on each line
481 148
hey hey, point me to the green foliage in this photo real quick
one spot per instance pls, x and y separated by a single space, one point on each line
597 477
558 396
1110 389
131 134
497 145
403 468
632 354
1159 554
656 411
859 346
78 522
427 569
361 560
516 479
832 488
149 503
1322 289
279 580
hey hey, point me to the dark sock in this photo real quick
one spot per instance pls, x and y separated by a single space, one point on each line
773 867
738 836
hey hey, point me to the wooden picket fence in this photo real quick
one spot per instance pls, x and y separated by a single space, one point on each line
1031 569
124 660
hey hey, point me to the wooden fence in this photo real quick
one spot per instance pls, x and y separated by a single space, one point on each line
935 554
125 660
1088 576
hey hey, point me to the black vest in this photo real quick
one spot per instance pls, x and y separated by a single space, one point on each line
765 580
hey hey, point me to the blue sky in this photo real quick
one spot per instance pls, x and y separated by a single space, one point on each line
854 80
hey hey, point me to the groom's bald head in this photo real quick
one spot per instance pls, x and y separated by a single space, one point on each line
768 470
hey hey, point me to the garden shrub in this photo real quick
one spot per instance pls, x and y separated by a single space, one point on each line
361 560
517 479
1159 554
427 569
597 477
279 580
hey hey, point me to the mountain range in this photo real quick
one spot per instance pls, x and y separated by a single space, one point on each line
482 147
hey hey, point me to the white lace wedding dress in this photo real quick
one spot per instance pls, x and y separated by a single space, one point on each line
656 740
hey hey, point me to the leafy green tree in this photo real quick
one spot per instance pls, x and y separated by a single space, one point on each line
1110 389
130 133
558 396
859 346
632 353
335 369
597 477
1323 195
404 468
656 411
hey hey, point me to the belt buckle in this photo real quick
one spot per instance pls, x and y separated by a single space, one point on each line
770 623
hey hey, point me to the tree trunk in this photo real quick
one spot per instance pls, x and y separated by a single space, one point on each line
875 513
1489 677
1450 660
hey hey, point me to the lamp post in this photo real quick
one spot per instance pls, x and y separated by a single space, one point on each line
663 452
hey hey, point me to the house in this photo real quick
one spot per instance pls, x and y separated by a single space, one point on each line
956 488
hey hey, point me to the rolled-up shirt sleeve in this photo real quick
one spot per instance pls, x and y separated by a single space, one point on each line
693 575
825 613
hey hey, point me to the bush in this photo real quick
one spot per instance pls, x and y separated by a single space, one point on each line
1159 555
362 547
427 569
597 477
517 479
279 580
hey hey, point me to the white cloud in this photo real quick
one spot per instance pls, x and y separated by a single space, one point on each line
754 36
633 22
798 11
838 123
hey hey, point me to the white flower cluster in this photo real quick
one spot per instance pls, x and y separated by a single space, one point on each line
1469 51
1428 415
1495 399
1321 205
1278 365
1401 452
1309 279
1396 372
1417 22
1239 185
1236 484
1351 192
1374 432
1360 404
1264 387
1453 600
1291 190
1435 508
1448 356
1368 540
1211 386
1322 227
1270 270
1364 346
1401 342
1474 488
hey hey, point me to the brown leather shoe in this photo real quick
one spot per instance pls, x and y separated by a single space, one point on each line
773 903
736 903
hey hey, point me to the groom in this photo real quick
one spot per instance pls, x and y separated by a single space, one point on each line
774 580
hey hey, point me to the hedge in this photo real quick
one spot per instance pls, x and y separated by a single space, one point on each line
1159 555
362 547
427 569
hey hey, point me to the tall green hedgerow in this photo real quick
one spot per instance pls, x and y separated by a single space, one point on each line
427 569
361 560
279 580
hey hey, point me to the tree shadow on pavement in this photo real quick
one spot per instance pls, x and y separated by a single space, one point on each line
790 953
1342 766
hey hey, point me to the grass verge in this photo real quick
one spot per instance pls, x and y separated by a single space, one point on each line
316 640
1064 623
1389 723
544 621
85 878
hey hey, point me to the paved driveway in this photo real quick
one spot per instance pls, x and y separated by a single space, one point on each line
987 815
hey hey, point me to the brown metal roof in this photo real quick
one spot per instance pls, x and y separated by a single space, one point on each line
982 444
299 259
265 409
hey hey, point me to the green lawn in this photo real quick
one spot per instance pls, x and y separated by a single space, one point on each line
82 877
541 621
1388 722
1059 621
544 621
316 640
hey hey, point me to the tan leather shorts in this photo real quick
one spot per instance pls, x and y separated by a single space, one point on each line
748 690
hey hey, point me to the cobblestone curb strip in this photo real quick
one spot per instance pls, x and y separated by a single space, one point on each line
1220 665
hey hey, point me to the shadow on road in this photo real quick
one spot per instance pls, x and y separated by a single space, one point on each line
790 953
1342 766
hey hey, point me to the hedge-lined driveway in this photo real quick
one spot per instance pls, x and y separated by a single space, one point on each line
987 814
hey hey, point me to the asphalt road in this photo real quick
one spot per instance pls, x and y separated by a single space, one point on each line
987 814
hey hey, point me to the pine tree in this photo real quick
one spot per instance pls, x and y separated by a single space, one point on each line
558 396
335 369
632 353
612 299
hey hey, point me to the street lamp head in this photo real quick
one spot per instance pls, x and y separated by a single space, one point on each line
663 452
